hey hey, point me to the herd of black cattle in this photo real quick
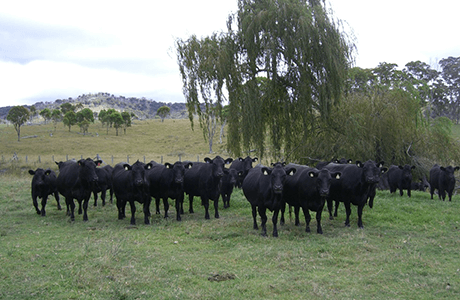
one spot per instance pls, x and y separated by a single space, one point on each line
264 187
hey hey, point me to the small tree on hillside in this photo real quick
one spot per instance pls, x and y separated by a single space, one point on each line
84 118
33 112
163 112
127 120
18 115
46 114
56 116
66 107
70 119
117 120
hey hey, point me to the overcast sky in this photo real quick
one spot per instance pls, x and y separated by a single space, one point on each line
59 49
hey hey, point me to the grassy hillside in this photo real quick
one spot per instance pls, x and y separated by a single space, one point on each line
151 139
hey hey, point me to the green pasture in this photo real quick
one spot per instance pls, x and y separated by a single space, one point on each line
408 249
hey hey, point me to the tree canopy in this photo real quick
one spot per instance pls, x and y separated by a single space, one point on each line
282 67
18 115
163 112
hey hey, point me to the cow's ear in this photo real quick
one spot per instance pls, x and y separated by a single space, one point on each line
98 162
337 175
168 165
456 168
312 174
359 164
383 170
189 165
31 172
349 161
228 160
401 167
413 167
47 172
208 160
255 159
266 171
240 173
291 171
442 168
380 164
127 167
240 159
148 166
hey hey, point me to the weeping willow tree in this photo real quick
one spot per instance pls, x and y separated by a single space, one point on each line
281 70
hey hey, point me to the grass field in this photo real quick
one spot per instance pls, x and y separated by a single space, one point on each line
408 248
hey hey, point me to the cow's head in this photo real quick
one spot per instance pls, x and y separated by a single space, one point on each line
278 176
87 170
323 180
371 170
178 169
218 165
138 172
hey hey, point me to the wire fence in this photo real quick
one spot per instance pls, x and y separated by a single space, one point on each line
49 160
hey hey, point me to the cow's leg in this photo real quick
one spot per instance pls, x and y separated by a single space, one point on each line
263 216
178 208
408 192
348 211
166 206
296 215
70 204
282 210
360 216
44 199
337 203
254 217
275 222
85 208
306 213
205 202
95 198
35 202
133 212
329 208
146 208
111 195
190 200
103 194
450 195
401 192
216 208
319 228
80 211
157 205
182 204
56 196
431 192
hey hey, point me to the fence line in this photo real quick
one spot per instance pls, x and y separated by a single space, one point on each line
108 159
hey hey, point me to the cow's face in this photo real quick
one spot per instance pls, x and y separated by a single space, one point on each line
278 176
323 180
179 171
233 175
40 178
138 172
371 171
218 165
449 174
247 164
87 170
406 173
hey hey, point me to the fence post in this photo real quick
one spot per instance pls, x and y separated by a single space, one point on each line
162 159
67 157
144 159
26 158
39 159
127 159
112 160
52 158
197 158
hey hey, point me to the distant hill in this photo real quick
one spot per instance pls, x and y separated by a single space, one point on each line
142 108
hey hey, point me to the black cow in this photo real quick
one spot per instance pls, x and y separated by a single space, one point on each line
167 181
104 183
355 186
76 180
442 179
229 181
263 188
308 189
130 183
400 177
203 180
242 165
43 185
421 185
